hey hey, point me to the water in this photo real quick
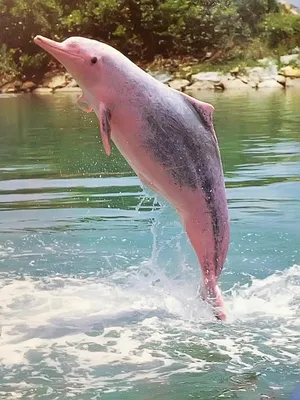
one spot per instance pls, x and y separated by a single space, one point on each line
98 281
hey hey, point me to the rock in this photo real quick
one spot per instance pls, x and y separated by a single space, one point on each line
68 76
269 84
179 84
267 61
42 90
236 84
4 79
214 77
295 83
244 79
187 69
256 74
271 71
72 84
17 84
281 79
260 74
286 60
290 72
28 86
253 83
55 82
163 77
235 71
9 88
296 50
201 85
219 86
75 89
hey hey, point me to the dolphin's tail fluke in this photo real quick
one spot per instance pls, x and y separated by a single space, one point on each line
213 296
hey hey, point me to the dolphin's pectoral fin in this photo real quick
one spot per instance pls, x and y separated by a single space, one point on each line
83 104
104 119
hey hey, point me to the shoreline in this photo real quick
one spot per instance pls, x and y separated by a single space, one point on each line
188 79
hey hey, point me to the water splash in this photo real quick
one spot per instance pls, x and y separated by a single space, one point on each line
64 326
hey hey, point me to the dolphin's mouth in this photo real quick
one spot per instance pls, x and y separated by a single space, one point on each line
53 47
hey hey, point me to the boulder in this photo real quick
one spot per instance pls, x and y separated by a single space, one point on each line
219 86
213 77
75 89
290 72
235 84
235 71
281 79
201 85
179 84
267 61
55 82
68 76
270 84
42 90
163 77
9 88
288 59
187 69
4 79
260 74
295 83
72 84
244 79
253 83
28 86
17 84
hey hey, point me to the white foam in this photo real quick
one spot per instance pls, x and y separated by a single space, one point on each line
142 330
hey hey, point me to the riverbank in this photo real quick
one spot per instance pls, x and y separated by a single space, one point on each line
267 74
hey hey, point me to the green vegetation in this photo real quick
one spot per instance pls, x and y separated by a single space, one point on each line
227 30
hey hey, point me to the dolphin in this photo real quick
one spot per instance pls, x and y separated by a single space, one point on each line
166 136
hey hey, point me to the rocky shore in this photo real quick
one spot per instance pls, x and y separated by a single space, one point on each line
267 75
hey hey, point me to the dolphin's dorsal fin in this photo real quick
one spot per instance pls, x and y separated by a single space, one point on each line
201 105
204 110
105 129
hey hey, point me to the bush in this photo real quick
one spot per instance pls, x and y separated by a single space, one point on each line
253 12
282 30
7 62
144 29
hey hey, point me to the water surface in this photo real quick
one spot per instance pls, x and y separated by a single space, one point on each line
98 281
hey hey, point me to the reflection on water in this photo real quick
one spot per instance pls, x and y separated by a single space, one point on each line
98 280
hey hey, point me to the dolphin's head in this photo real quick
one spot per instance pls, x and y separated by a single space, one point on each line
87 60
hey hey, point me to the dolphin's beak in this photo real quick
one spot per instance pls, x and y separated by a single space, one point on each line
47 44
56 49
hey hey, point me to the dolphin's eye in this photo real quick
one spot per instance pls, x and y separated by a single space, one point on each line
94 60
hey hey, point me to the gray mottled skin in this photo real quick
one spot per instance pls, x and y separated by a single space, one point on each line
105 121
188 150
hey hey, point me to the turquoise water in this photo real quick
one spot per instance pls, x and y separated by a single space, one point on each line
98 281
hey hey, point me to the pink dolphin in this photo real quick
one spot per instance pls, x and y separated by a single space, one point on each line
166 136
